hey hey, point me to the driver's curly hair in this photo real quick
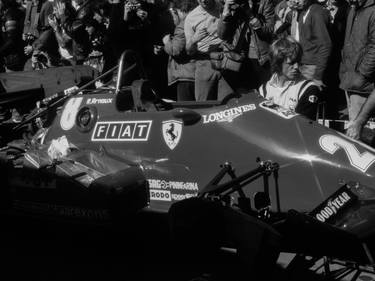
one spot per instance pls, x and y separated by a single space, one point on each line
282 49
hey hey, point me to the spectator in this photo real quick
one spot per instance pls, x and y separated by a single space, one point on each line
11 50
72 18
287 87
181 68
312 33
202 39
357 68
130 27
335 98
258 19
356 126
283 13
65 42
45 46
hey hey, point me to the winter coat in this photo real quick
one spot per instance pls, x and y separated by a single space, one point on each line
229 29
73 23
12 48
180 66
314 38
357 69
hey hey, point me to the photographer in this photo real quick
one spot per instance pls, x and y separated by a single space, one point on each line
72 18
130 27
201 40
257 18
181 68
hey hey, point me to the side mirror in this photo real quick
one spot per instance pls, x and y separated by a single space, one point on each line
188 116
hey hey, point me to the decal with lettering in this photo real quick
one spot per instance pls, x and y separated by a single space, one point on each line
172 131
122 131
228 115
277 109
160 195
62 210
334 205
360 161
179 197
173 185
98 101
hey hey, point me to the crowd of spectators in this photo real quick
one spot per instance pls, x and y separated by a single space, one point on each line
328 43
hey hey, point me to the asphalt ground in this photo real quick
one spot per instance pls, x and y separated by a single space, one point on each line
32 249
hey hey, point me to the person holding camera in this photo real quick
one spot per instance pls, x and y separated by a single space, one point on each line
201 40
256 20
130 27
181 67
72 17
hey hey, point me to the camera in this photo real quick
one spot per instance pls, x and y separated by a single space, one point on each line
29 38
133 5
52 17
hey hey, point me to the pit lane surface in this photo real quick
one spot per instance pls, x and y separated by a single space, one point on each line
43 250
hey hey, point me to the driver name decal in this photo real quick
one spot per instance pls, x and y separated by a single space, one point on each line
228 115
122 131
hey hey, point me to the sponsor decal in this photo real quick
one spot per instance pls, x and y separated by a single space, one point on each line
68 116
179 197
122 131
277 109
62 210
228 115
160 195
173 185
172 131
360 161
334 205
98 101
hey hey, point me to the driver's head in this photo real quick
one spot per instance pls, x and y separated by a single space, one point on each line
286 55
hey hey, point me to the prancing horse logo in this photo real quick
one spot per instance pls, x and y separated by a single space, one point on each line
172 131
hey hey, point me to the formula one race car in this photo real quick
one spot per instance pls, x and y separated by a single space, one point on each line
111 151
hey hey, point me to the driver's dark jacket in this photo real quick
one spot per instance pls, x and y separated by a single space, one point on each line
74 26
229 30
357 69
11 49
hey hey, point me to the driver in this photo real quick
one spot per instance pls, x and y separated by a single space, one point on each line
287 87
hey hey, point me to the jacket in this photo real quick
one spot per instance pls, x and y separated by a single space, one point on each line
313 26
261 33
12 48
73 24
357 69
180 66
